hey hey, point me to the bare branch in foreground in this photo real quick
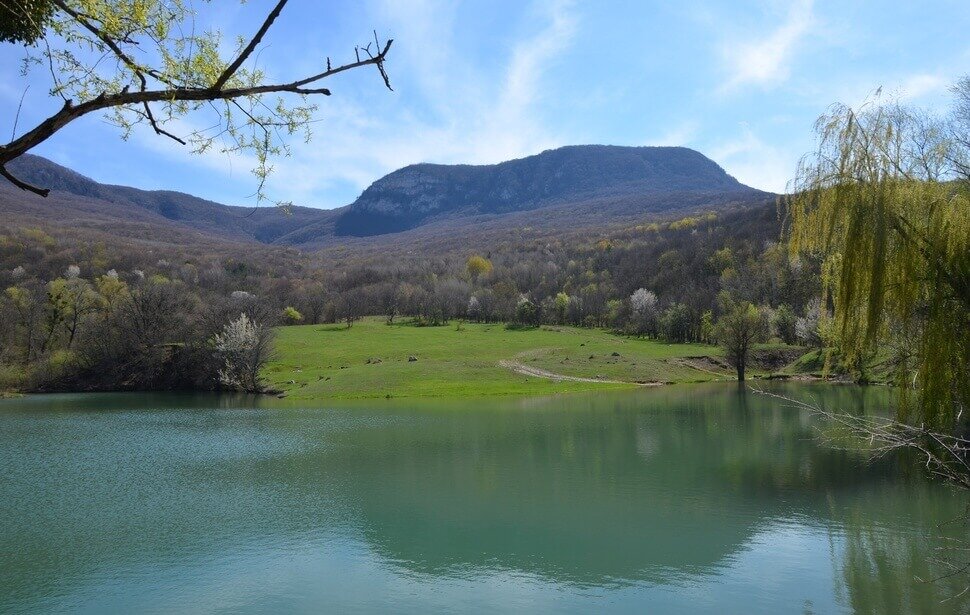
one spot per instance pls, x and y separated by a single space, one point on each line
944 456
22 184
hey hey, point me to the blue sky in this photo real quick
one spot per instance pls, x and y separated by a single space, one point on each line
486 81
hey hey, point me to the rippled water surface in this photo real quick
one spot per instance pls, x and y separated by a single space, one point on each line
698 498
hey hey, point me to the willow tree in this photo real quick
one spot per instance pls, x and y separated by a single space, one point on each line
885 200
144 62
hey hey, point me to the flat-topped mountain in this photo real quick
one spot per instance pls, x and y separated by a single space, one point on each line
411 196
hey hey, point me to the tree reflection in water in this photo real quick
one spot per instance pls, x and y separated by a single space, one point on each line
680 494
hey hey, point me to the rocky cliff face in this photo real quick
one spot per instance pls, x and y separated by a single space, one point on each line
411 196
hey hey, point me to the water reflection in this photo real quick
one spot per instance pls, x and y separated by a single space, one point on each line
704 497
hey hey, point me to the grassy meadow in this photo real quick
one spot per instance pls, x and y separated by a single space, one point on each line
371 359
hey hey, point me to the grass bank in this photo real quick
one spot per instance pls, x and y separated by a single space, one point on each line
372 359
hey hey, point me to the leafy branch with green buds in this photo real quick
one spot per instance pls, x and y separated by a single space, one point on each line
143 62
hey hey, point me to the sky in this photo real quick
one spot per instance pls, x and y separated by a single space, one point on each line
483 81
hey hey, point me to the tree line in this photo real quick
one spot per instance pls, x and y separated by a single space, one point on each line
83 314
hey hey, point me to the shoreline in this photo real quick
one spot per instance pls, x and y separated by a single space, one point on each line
371 360
509 365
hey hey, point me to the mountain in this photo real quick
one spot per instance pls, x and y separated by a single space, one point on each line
575 187
75 197
410 197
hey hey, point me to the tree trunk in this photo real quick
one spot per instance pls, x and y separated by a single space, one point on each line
740 367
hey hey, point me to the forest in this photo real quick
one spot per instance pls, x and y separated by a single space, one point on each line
92 315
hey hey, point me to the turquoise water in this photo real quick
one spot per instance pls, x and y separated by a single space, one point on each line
698 498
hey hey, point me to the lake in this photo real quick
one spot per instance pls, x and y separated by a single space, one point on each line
690 498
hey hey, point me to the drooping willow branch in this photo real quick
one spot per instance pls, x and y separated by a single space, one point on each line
155 86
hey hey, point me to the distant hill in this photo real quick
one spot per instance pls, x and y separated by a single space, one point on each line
76 196
416 194
577 186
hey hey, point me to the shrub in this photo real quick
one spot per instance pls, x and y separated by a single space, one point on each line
291 316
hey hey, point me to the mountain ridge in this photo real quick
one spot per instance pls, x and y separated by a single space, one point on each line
262 224
407 197
598 184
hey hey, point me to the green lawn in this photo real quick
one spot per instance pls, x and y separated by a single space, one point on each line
879 369
371 360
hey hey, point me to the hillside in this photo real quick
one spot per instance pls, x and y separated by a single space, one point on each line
576 186
414 195
77 199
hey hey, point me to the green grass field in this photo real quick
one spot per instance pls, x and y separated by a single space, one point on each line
879 369
370 359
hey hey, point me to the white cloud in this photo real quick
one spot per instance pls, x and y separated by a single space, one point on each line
766 60
922 85
929 89
453 112
474 120
681 134
755 162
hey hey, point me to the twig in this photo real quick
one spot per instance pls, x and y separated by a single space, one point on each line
232 68
16 119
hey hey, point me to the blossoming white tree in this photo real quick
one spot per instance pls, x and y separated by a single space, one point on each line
643 303
244 346
474 309
643 300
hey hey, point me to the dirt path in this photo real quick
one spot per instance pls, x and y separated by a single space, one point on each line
536 372
695 363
